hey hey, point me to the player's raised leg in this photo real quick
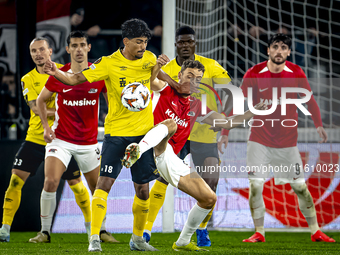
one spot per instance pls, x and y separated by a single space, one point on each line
152 138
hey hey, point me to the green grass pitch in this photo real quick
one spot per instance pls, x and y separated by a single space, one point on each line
222 243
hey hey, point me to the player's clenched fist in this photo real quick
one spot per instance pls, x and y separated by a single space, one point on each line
50 67
49 135
162 60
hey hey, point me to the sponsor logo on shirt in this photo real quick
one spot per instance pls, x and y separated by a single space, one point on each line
146 65
93 91
177 119
66 90
261 90
82 102
123 68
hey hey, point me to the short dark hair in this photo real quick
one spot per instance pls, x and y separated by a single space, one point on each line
40 38
185 30
192 64
280 38
77 34
134 28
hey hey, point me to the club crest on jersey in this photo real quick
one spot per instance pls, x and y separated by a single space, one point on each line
91 91
191 114
146 65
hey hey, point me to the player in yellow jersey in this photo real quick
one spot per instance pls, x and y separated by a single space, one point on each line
202 144
132 63
32 150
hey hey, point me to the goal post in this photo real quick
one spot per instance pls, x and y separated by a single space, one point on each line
168 48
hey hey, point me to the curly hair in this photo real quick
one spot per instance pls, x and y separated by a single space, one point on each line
133 28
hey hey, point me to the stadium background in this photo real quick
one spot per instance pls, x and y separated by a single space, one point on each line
225 32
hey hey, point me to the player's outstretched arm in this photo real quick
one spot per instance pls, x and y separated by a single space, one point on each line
67 78
155 83
219 120
45 94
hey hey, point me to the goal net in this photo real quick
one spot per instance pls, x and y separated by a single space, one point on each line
235 33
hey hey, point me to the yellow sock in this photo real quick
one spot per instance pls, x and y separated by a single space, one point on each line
157 197
204 223
99 206
140 210
12 199
83 199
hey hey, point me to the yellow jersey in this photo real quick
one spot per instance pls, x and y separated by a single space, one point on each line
117 71
214 73
32 83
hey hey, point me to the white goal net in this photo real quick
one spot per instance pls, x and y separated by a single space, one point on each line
235 33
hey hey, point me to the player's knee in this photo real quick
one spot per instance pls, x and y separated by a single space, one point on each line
74 181
51 184
142 191
256 187
211 200
172 126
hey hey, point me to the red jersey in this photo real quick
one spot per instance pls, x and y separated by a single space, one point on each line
76 116
273 133
168 104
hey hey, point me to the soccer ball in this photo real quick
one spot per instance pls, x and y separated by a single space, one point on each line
135 97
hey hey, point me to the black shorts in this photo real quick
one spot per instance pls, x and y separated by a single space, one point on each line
30 155
199 151
113 151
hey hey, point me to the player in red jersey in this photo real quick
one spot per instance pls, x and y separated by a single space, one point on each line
274 143
75 129
175 115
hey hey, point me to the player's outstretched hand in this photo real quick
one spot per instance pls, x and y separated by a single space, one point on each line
322 133
187 88
50 67
49 135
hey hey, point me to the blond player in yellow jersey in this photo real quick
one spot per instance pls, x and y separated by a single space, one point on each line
32 150
132 63
202 144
